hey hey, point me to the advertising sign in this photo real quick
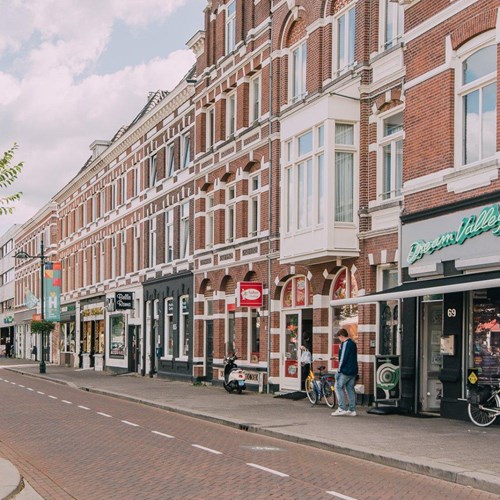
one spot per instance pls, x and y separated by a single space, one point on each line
387 378
52 277
249 294
124 300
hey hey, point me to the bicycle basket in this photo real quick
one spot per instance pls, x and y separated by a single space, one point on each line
479 395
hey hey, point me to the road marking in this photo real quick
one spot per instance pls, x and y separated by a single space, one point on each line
83 407
103 414
40 392
130 423
162 434
5 380
21 386
339 495
275 472
67 402
13 383
215 452
30 389
52 397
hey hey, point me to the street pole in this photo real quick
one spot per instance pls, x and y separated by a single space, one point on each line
42 298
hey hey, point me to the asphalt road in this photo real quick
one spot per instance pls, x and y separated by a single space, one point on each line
69 443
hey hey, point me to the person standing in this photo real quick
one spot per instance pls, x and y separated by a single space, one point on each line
346 375
305 363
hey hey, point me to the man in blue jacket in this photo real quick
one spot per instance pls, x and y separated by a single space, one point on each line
346 374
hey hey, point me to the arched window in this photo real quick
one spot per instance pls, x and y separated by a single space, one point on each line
297 293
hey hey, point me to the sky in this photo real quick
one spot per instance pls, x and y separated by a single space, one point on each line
74 71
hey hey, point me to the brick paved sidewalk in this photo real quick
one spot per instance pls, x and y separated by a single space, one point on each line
452 450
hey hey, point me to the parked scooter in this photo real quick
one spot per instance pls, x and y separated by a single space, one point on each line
234 377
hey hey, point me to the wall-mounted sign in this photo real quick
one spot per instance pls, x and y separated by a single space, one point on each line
124 300
8 320
387 378
471 226
249 294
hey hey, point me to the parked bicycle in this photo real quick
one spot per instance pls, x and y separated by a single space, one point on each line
321 386
484 403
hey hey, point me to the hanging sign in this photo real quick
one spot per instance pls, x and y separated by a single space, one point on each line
124 300
52 299
249 294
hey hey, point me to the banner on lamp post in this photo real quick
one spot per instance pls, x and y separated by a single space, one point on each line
52 285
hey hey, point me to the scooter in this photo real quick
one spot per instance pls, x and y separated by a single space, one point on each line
234 377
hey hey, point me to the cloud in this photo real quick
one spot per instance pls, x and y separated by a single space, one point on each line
51 103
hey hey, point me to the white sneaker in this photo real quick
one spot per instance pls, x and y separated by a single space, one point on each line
351 413
339 412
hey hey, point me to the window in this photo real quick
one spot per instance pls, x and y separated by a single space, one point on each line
168 309
112 196
230 213
171 160
210 126
391 160
152 242
393 23
123 239
94 264
186 150
210 221
346 24
478 91
230 115
137 246
254 336
113 256
298 71
123 189
169 235
255 97
184 230
135 177
304 180
153 170
230 26
85 265
344 172
102 275
184 326
254 205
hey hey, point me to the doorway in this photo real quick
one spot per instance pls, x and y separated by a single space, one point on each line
431 389
133 348
209 350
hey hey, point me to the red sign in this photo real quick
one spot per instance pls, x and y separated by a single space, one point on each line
249 294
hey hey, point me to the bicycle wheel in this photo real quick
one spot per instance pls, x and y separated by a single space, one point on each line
484 415
311 393
329 393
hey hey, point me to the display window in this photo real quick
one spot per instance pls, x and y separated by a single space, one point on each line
485 349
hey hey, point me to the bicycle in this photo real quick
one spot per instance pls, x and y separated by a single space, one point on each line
484 403
321 387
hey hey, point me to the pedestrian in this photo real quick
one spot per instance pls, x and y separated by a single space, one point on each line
305 363
346 374
34 351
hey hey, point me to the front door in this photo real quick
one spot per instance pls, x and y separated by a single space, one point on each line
133 354
290 379
432 359
209 350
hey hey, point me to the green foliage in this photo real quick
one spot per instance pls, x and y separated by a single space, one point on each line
42 326
8 174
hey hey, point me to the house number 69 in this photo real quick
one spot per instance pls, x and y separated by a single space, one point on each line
452 313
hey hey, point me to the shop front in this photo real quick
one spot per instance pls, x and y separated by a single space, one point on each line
67 339
92 343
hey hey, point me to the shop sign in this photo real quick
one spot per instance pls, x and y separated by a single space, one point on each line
93 312
124 300
249 294
8 320
470 227
387 378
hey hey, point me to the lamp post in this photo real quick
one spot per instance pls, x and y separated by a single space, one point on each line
24 255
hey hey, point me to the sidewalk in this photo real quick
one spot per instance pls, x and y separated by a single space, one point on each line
451 450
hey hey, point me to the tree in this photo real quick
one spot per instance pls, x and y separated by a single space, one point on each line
8 174
42 326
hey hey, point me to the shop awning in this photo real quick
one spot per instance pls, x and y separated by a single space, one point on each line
418 288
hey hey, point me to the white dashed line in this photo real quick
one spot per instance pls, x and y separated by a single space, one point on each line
162 434
13 383
67 402
30 389
21 386
215 452
103 414
6 381
339 495
271 471
52 397
130 423
83 407
40 392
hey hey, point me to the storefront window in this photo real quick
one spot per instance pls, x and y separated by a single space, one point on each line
184 327
255 336
67 342
117 336
169 331
486 333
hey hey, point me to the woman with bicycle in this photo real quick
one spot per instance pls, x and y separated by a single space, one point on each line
305 363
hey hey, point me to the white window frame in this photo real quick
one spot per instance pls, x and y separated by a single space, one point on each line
84 273
392 141
183 335
135 174
298 71
254 189
394 12
255 98
102 262
113 256
231 104
169 235
468 49
230 227
210 221
152 242
171 159
210 127
168 330
351 150
123 238
93 263
184 230
123 189
230 27
153 170
345 61
186 150
137 245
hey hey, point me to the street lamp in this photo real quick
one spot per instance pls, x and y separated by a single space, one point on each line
24 255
